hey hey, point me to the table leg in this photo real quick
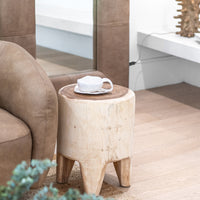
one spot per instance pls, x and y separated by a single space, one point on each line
64 168
93 175
122 168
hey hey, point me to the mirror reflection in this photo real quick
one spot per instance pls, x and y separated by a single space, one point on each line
64 35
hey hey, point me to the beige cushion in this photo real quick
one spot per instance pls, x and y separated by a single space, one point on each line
27 93
11 128
15 144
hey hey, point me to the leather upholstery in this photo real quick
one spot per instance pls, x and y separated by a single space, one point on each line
17 23
28 94
14 135
112 53
62 80
111 33
11 127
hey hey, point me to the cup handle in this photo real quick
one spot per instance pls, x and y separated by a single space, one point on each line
106 80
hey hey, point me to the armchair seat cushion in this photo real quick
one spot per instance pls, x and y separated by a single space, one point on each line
11 127
15 144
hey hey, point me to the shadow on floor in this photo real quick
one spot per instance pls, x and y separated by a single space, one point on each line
182 92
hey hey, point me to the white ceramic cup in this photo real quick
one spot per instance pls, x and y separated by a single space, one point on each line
93 84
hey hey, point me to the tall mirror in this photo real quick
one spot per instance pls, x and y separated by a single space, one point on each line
64 35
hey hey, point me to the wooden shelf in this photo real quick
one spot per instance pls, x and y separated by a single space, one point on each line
186 48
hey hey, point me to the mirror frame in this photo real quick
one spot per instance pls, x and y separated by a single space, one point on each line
111 39
111 36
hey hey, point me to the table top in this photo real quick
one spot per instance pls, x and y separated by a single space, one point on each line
118 91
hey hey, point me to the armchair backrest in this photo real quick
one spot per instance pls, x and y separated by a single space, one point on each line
17 23
27 93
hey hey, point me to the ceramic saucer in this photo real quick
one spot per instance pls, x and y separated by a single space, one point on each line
101 91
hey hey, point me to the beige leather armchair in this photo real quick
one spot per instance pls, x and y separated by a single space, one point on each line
28 110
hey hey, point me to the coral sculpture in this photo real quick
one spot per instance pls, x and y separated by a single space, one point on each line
189 16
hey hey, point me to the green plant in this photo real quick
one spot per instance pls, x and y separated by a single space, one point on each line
25 176
51 193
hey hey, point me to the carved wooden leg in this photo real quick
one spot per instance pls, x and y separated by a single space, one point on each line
93 175
122 168
64 168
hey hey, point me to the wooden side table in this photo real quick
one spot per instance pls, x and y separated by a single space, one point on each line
95 130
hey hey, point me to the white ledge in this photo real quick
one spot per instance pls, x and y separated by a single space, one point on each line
66 19
186 48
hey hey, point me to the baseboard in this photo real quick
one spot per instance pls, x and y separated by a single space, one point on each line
155 72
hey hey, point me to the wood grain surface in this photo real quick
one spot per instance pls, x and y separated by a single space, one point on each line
118 91
166 161
95 133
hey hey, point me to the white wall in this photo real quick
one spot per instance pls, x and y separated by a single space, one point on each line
154 15
71 10
157 69
85 5
65 25
65 41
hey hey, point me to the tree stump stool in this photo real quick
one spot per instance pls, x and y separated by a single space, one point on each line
95 130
